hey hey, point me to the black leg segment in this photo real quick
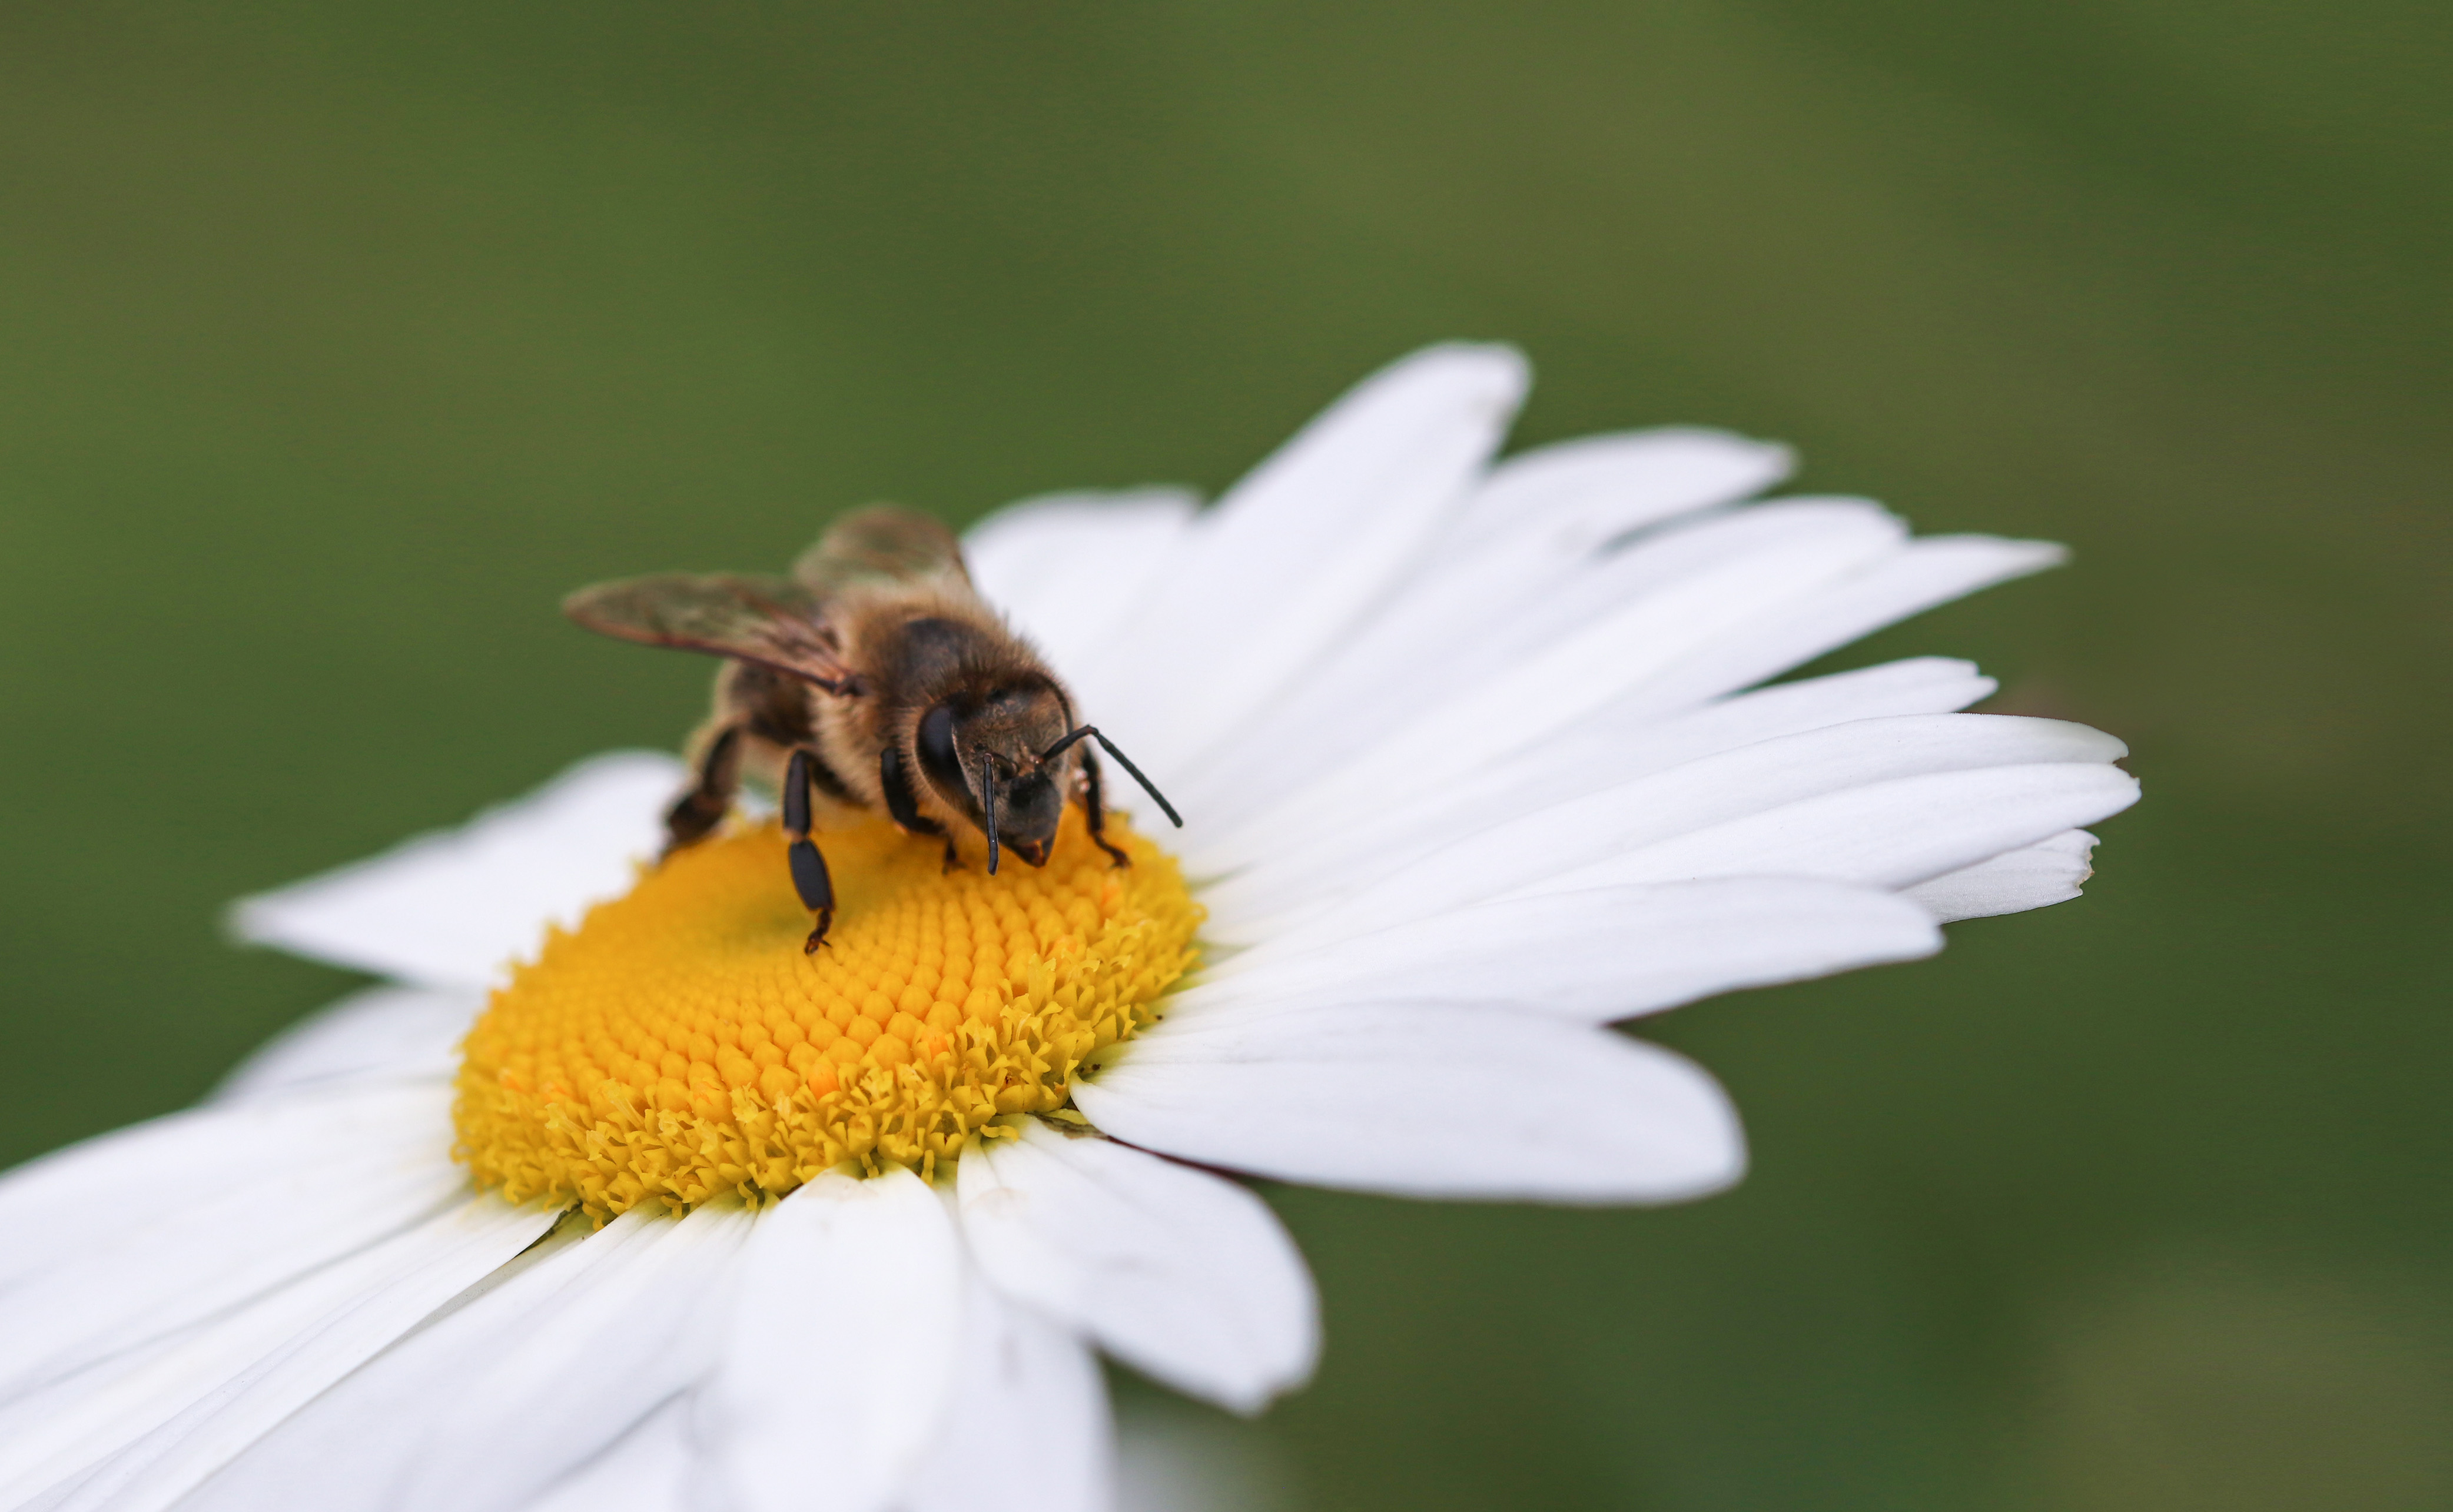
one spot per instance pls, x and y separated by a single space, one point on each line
796 795
809 877
703 808
988 806
892 777
1094 809
816 888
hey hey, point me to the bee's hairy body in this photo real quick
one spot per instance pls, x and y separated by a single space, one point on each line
913 651
875 680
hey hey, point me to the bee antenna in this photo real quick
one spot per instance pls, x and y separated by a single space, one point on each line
1122 759
988 802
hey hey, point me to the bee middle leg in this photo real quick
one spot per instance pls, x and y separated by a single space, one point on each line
809 877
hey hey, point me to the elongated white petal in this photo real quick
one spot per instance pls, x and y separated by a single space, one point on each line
1893 834
97 1303
140 1430
383 1032
452 910
840 1357
1291 555
545 1372
1582 494
1596 955
1624 745
1028 1429
2034 876
1565 838
1469 615
1917 685
518 1388
1433 713
1342 851
1180 1274
1426 1101
649 1469
1160 1465
1786 544
1926 573
1067 569
219 1186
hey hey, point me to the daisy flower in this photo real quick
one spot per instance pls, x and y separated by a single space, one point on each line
612 1198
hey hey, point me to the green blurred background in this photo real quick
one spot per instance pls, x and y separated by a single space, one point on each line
337 341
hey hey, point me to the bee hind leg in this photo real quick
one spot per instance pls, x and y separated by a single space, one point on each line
698 810
809 877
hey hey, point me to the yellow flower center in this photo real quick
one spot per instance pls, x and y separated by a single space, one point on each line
680 1045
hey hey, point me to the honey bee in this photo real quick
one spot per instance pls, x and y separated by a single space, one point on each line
873 677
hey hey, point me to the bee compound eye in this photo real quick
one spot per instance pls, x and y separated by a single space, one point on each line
937 756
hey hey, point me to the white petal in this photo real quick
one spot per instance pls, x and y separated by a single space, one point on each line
1342 853
1028 1427
1469 614
1621 744
649 1469
2032 877
1686 591
1566 838
1893 834
1930 571
840 1357
1181 1275
513 1390
564 1363
94 1305
384 1032
1291 555
218 1184
1582 493
1426 1101
1595 955
142 1429
1067 569
452 908
1919 685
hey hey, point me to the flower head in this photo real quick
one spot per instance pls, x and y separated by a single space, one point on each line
616 1190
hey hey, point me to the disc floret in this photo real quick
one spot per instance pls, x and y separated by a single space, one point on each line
679 1044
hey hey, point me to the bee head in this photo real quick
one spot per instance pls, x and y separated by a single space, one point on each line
980 754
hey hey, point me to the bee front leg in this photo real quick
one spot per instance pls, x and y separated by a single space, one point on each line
1094 809
904 810
809 877
700 808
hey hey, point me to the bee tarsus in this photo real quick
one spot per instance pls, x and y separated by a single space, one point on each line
810 878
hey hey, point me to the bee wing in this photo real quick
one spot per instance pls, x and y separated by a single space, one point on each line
883 544
774 621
